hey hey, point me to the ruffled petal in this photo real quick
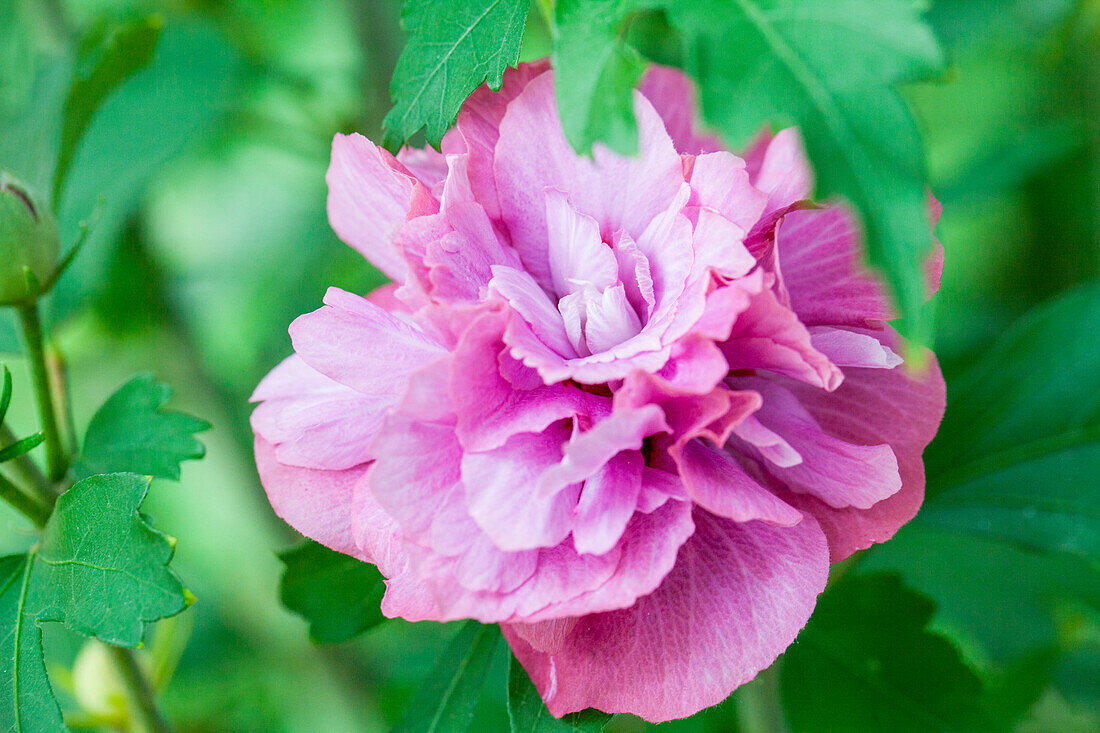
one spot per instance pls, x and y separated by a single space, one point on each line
358 344
370 196
737 597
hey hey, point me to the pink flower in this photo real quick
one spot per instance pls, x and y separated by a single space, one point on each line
628 408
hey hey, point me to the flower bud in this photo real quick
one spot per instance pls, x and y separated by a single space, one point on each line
29 242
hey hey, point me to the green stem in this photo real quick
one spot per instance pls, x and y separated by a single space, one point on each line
56 462
37 511
141 702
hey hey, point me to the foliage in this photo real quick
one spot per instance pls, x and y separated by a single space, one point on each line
866 662
99 568
338 595
453 47
133 432
209 158
445 701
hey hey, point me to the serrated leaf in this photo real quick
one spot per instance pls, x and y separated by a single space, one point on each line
27 703
595 73
338 595
103 570
527 712
829 66
133 433
866 661
122 53
446 699
1018 454
453 47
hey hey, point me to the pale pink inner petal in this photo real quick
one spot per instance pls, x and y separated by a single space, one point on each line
531 302
577 254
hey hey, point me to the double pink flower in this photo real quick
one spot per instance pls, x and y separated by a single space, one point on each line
628 408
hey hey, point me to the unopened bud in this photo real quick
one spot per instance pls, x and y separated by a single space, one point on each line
29 242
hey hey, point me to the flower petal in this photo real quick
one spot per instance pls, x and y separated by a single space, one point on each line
737 597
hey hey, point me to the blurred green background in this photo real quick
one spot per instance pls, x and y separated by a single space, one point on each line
211 236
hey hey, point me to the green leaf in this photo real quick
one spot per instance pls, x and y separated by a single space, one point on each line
829 66
453 46
124 52
101 568
865 661
132 433
1019 450
27 703
595 73
528 714
338 595
446 699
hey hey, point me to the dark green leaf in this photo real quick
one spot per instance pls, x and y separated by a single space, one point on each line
994 598
865 662
27 704
453 47
446 699
123 53
595 73
528 714
1018 455
338 595
829 66
132 433
100 568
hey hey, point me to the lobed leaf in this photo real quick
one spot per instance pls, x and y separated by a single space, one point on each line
100 567
101 570
453 47
446 699
866 661
338 595
133 433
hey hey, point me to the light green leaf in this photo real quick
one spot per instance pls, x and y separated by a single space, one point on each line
100 567
1018 454
453 46
446 699
865 662
107 63
27 703
338 595
829 66
595 73
133 433
528 714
